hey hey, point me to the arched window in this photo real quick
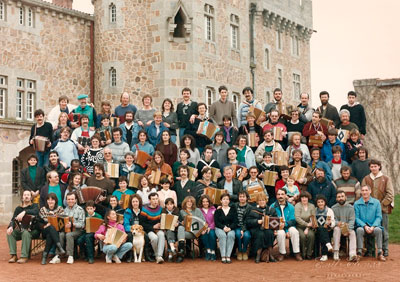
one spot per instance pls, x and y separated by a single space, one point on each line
236 100
179 30
16 174
113 13
266 59
113 77
210 96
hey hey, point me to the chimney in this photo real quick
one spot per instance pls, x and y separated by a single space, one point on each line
63 3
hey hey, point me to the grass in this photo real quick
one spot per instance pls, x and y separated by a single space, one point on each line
394 222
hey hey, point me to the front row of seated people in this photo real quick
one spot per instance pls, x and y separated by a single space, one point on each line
239 224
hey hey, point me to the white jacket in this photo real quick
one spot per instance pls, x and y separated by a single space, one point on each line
261 150
55 112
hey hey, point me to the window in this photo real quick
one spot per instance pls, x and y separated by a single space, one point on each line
266 59
179 30
210 96
296 86
3 96
113 77
19 104
268 96
279 75
295 46
16 171
236 100
279 43
21 16
25 99
209 22
30 17
113 13
234 32
2 11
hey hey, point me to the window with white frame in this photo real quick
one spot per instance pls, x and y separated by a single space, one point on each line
295 46
210 96
234 31
209 22
21 16
280 78
113 77
279 42
25 99
113 13
2 11
267 63
236 100
3 96
296 86
30 17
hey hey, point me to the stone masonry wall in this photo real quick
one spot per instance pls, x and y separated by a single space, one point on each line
380 99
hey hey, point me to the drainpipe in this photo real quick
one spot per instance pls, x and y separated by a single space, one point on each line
253 8
92 62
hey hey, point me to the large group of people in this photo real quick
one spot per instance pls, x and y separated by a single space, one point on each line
283 172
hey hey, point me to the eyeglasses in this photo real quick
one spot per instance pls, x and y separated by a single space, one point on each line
107 153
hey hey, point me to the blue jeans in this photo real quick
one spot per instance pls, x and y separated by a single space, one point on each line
111 250
181 133
226 242
242 243
209 240
173 139
43 158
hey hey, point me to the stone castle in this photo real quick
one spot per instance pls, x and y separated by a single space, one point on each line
154 47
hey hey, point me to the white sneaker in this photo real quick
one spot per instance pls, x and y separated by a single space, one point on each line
108 260
329 246
159 260
55 260
324 258
116 259
336 256
70 260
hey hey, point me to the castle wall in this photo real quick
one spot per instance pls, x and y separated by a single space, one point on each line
52 49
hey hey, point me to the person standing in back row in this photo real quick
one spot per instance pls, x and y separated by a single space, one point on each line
186 111
327 110
223 107
357 112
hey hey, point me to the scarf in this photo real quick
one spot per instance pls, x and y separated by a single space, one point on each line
227 135
337 162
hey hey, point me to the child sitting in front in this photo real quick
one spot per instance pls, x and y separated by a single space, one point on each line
171 209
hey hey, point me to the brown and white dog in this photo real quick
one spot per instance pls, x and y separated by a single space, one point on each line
137 242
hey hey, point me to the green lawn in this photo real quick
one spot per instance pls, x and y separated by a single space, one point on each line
394 222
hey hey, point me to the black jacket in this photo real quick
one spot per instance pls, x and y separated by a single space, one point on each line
45 190
32 209
230 220
236 188
183 192
26 180
330 113
256 214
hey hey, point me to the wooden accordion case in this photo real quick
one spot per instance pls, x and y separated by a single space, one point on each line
239 172
299 172
168 221
214 194
92 224
270 177
194 225
59 223
125 201
26 223
207 129
273 223
142 158
315 140
114 236
134 179
253 191
113 170
280 157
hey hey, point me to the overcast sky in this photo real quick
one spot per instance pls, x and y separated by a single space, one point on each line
355 39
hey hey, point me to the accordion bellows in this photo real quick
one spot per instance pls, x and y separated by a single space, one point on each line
88 193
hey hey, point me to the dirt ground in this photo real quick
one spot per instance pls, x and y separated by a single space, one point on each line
368 269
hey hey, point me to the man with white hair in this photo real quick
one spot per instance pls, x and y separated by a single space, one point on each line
345 122
357 112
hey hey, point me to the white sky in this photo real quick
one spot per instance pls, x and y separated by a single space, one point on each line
355 39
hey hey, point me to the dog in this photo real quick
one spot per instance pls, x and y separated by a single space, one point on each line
137 242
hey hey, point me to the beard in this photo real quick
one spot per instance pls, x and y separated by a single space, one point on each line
324 102
342 202
321 179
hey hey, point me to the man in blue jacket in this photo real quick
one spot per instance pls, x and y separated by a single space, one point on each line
368 221
286 210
